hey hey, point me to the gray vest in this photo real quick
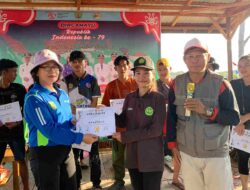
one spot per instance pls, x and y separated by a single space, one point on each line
197 136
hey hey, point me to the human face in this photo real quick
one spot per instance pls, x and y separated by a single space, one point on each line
196 60
48 73
144 78
101 60
244 68
78 66
163 71
122 69
10 74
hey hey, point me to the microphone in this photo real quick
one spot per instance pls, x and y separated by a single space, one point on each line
190 94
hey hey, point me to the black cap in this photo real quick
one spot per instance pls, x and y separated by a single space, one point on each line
141 62
7 64
76 55
213 64
119 58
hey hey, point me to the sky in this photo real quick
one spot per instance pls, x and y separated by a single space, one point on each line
172 46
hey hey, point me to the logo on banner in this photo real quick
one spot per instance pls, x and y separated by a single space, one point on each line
20 17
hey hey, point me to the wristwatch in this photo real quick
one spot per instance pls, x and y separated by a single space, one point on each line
209 112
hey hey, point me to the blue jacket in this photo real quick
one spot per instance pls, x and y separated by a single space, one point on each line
48 115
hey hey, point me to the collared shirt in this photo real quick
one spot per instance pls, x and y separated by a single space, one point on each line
48 115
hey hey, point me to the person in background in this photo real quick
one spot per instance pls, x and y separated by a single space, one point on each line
24 70
11 133
143 117
163 85
48 113
118 89
102 71
200 139
113 72
212 65
242 92
89 90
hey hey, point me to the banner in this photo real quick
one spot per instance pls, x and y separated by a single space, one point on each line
100 35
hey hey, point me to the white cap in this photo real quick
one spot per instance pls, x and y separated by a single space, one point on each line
44 56
195 43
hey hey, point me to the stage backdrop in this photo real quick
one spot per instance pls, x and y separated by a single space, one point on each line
100 35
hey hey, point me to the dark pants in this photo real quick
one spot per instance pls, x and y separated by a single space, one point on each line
145 180
243 158
95 164
53 168
17 146
118 150
78 167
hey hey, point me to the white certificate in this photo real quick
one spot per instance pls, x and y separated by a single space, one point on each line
10 112
116 105
77 99
100 122
240 142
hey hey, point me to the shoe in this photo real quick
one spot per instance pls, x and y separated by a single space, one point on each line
96 187
117 186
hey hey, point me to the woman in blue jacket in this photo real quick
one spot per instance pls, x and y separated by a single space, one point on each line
48 114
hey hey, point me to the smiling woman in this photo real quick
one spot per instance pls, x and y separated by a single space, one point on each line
48 113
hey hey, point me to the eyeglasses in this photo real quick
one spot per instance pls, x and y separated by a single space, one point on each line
50 68
195 57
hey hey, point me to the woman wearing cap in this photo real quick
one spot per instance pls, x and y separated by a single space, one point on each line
143 116
48 114
163 85
242 92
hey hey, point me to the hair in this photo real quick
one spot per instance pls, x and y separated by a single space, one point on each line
245 57
75 55
6 64
36 78
120 58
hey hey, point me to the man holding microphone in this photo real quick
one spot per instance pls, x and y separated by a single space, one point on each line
202 106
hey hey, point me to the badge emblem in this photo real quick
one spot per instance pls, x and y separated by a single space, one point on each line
149 111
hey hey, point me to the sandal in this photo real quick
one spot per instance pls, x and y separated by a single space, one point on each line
179 185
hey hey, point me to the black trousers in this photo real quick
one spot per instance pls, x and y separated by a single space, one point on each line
53 168
145 180
94 162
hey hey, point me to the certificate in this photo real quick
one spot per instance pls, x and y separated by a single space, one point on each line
116 105
240 142
10 112
77 99
100 122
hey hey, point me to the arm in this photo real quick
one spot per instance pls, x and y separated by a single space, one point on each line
171 119
228 112
36 110
152 130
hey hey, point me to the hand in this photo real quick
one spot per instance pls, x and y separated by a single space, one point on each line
89 138
177 156
117 136
195 105
73 109
244 118
100 106
73 121
240 129
11 125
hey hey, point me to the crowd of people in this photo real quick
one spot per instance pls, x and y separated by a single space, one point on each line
158 118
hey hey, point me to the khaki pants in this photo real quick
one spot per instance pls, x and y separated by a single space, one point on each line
206 173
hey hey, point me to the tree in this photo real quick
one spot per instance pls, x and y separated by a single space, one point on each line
242 40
